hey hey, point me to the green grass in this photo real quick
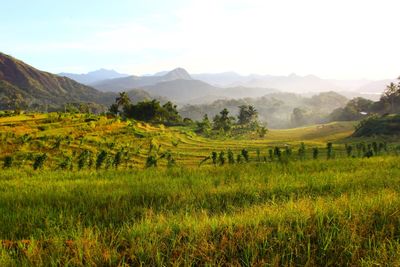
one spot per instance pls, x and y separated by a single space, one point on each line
76 134
338 212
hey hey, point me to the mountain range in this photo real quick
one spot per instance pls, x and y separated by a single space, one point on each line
309 84
93 76
24 84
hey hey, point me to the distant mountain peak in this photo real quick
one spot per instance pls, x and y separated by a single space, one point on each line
178 74
94 76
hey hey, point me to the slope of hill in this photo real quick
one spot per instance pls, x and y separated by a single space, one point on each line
93 76
182 90
21 84
125 83
385 125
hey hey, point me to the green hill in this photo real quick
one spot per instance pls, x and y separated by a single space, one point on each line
385 125
23 85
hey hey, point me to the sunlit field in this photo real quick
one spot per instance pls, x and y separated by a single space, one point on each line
292 208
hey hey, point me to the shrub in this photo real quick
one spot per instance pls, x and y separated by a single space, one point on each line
349 150
101 157
245 155
258 152
117 159
214 157
329 148
315 152
231 159
151 161
302 151
66 164
39 161
277 153
8 161
288 151
83 159
221 158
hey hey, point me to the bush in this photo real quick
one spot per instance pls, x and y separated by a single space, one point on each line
315 152
245 155
329 148
8 161
101 157
117 159
231 159
151 161
221 157
39 161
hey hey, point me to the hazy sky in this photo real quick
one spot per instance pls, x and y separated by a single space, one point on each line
329 38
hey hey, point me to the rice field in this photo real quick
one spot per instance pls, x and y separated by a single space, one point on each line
344 211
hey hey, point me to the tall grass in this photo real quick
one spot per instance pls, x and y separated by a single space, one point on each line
317 212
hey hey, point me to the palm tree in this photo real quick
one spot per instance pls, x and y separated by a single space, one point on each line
122 100
390 94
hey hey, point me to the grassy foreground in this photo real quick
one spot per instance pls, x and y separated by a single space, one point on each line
344 211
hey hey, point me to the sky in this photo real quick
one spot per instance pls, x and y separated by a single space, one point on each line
340 39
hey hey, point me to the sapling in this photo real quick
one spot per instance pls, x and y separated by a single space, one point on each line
39 161
214 157
245 155
231 159
221 158
101 157
8 161
315 152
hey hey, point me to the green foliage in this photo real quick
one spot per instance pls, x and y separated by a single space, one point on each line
302 151
262 131
223 121
204 126
329 148
349 150
231 158
152 111
245 154
315 152
248 116
214 157
8 162
221 158
83 159
278 153
39 161
117 159
101 158
151 161
65 163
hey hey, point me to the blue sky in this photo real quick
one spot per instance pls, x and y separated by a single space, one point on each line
333 39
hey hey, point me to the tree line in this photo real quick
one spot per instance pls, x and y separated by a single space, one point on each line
222 123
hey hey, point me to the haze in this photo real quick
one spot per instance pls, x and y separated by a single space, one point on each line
331 39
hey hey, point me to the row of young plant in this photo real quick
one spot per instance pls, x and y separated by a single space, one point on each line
284 154
106 160
90 160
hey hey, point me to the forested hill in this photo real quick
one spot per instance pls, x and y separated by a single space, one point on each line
22 85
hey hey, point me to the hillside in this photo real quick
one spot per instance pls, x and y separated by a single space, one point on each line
388 125
23 85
